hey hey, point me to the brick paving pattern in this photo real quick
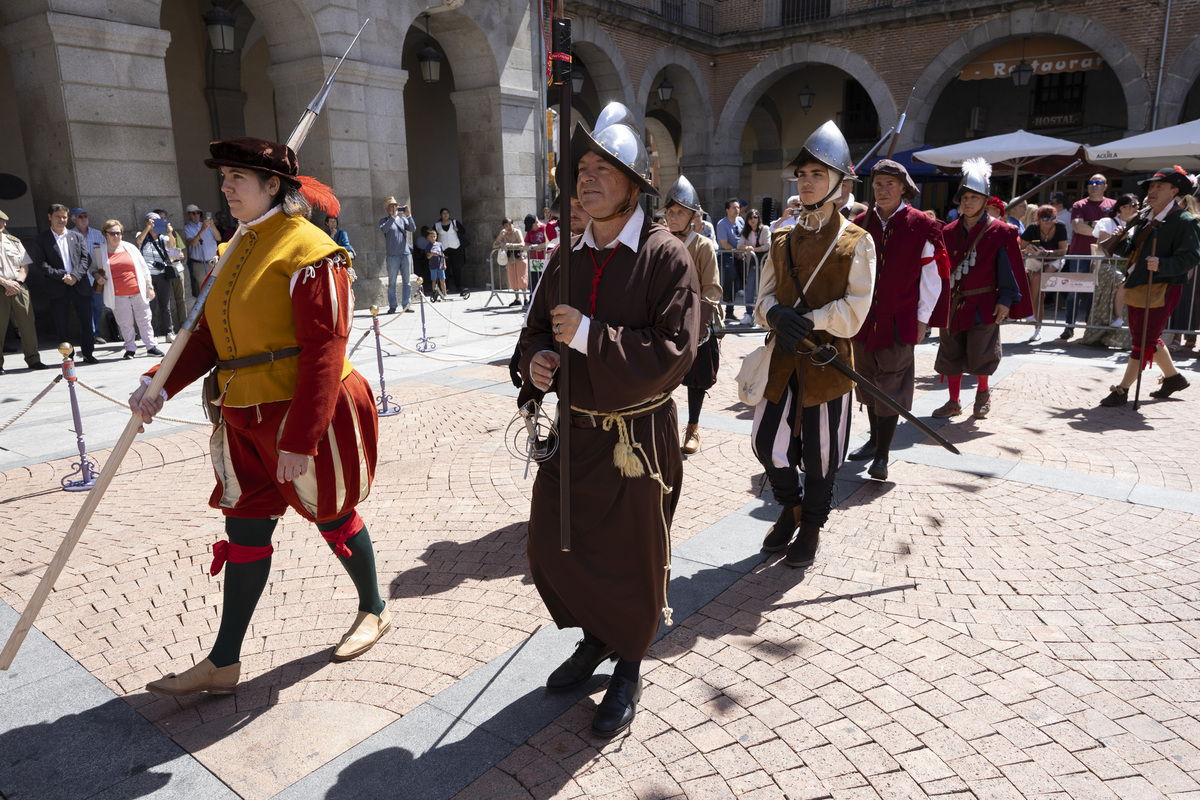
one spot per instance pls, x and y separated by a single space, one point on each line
959 636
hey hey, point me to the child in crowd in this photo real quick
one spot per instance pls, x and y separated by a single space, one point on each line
437 266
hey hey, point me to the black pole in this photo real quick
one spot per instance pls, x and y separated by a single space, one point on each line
560 43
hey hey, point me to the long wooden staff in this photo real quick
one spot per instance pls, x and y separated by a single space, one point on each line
560 56
1137 393
42 592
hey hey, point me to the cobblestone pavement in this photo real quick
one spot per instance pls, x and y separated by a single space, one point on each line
961 635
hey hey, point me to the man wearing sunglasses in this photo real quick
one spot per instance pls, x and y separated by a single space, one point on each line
1085 214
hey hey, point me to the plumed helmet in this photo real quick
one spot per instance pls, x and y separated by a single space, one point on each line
1176 176
614 113
977 178
826 145
682 193
620 145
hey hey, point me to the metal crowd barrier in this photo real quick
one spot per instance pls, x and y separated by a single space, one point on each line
1068 276
749 265
496 281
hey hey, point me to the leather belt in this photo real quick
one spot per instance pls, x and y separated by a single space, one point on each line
259 358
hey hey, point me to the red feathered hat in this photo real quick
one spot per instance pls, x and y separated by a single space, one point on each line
275 159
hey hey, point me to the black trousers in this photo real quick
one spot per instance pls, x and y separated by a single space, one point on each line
59 310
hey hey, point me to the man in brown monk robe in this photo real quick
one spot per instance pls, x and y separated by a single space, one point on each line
632 323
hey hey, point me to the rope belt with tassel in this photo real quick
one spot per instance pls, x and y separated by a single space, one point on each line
627 461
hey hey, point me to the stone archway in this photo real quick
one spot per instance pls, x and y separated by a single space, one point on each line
691 95
1027 22
1177 84
606 66
726 156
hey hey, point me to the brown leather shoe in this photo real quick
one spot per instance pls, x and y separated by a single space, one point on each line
691 439
363 634
952 408
204 677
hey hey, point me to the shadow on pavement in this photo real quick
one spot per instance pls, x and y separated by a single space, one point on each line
499 554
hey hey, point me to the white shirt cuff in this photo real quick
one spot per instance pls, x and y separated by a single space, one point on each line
161 392
580 339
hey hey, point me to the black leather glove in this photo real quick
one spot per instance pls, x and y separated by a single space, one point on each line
790 326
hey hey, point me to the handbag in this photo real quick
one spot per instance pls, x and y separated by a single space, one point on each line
1146 296
502 258
756 367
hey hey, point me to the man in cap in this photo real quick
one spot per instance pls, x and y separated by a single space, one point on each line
681 208
907 286
626 466
79 220
14 297
987 286
202 239
816 285
396 224
59 261
1162 245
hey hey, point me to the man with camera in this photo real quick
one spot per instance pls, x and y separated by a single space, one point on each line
159 248
396 226
790 214
202 240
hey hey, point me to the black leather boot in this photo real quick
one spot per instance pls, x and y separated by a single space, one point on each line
803 551
580 666
1171 385
782 531
867 451
886 429
618 708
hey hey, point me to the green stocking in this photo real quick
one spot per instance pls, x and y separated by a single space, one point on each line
244 584
360 565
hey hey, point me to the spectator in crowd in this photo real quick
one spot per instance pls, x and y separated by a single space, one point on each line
420 255
396 224
340 236
453 237
1108 301
729 228
1041 245
1084 214
1162 244
437 266
755 239
155 244
79 219
14 297
848 200
995 208
535 241
706 226
60 261
1062 208
660 218
517 264
127 289
1017 209
552 229
178 254
225 225
200 232
790 214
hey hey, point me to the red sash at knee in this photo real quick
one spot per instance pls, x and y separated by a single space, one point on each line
338 536
236 554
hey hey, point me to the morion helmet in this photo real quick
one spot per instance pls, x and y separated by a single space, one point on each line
682 193
620 145
977 178
826 145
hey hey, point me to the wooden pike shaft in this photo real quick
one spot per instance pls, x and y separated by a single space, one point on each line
93 497
566 179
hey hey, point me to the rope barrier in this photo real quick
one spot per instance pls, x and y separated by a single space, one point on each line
433 307
395 317
467 359
125 405
33 402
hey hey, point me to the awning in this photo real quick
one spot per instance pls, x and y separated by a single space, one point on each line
905 159
1047 55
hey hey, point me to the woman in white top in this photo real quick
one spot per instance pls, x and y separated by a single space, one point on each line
1108 302
127 288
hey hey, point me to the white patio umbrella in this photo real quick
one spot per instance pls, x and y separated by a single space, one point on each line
1013 150
1167 147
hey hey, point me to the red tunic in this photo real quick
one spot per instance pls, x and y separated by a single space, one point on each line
893 314
994 238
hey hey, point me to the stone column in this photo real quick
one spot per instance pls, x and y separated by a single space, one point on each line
358 146
497 161
95 114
